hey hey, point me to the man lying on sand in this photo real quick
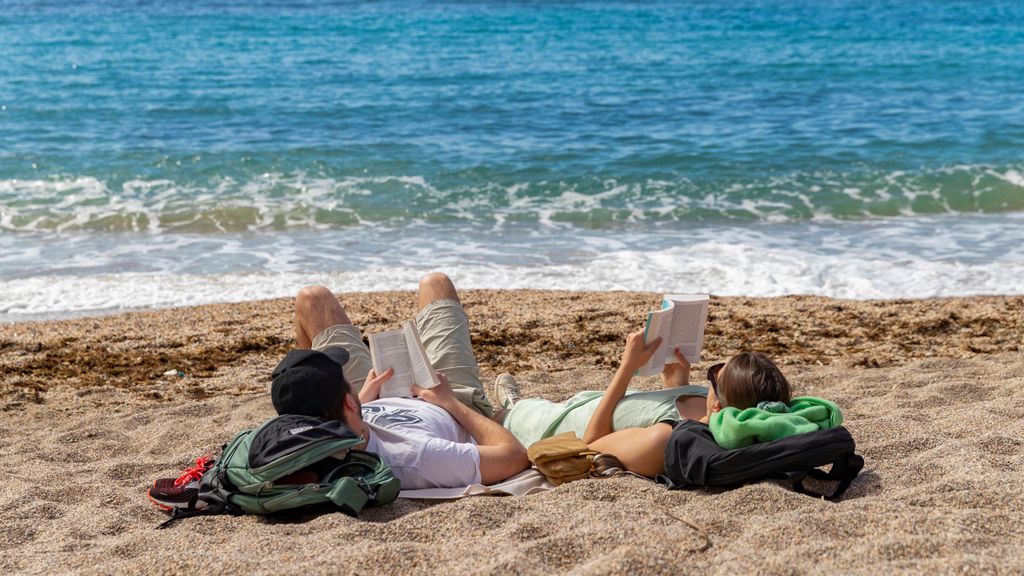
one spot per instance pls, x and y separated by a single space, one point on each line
444 438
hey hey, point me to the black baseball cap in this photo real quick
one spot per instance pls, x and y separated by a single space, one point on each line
308 382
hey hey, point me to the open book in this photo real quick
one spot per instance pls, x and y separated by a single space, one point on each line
402 350
680 323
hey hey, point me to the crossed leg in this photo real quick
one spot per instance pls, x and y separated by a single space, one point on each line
317 308
436 286
321 320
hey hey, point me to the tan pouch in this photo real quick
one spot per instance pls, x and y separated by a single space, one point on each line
562 458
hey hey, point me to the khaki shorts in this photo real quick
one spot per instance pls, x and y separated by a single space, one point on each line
444 329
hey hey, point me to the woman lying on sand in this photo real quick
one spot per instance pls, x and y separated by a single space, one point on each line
635 426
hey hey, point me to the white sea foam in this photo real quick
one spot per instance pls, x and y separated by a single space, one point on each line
1012 176
47 275
288 201
724 269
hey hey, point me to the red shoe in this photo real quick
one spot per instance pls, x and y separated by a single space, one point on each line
183 491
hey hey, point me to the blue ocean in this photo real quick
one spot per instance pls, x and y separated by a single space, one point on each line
169 153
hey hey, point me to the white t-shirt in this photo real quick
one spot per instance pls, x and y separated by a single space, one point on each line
422 443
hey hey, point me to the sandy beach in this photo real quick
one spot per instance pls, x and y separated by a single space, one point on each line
932 390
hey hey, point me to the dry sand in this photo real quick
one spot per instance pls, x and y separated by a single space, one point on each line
933 391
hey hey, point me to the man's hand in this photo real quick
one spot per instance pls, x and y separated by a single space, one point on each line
440 395
676 374
637 353
371 386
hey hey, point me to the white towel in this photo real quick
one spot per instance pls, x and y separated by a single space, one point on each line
527 482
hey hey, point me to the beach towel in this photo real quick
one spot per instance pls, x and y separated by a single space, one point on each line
734 428
527 482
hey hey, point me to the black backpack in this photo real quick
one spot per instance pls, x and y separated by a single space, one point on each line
693 458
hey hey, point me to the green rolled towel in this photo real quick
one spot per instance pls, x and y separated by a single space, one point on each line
735 428
775 407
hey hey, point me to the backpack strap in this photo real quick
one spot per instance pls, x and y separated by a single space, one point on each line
349 495
352 490
844 470
179 513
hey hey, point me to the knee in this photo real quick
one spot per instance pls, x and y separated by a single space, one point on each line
437 282
312 298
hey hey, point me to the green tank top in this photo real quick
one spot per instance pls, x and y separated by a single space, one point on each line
534 419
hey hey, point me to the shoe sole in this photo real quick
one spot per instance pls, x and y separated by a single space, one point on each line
169 507
159 504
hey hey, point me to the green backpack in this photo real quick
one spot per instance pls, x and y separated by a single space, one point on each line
293 462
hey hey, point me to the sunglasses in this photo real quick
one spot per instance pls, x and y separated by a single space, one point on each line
713 376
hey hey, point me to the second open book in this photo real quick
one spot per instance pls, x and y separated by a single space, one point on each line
403 351
680 324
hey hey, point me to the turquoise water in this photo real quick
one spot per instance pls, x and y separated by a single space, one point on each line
159 148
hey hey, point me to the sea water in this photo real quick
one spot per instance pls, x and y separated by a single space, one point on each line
166 153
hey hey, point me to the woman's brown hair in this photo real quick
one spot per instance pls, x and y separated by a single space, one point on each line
607 465
749 378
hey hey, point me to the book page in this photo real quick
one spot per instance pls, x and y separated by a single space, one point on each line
689 315
389 350
658 324
423 372
680 323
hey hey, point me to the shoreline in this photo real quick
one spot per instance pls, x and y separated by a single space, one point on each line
9 319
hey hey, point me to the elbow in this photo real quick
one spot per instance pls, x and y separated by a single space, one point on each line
518 457
502 462
516 460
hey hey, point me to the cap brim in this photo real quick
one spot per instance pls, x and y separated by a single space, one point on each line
337 354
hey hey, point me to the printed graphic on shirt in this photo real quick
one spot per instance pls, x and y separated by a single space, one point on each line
385 418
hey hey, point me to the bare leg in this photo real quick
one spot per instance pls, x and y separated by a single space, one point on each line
444 329
436 286
316 309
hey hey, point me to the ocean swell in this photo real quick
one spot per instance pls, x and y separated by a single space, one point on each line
279 201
